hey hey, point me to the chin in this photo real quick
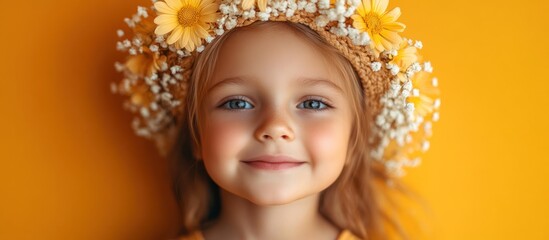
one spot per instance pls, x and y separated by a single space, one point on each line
267 197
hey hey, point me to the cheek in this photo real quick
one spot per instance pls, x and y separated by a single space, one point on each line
223 139
327 141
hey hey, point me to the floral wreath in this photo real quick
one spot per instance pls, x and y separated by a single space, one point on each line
401 94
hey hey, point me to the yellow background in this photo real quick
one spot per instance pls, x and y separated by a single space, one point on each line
71 167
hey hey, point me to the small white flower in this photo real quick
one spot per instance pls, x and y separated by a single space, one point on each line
301 4
159 39
129 22
409 107
290 12
310 8
219 31
436 104
224 9
200 48
418 45
127 43
436 116
120 46
376 66
427 66
119 66
321 20
332 15
120 33
155 89
137 42
263 16
230 24
175 69
209 39
164 66
324 4
363 39
395 70
141 11
350 11
425 146
144 112
166 96
153 106
434 82
153 48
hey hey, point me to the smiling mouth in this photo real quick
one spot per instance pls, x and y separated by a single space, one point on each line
270 162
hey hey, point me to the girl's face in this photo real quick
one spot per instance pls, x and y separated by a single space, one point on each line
273 94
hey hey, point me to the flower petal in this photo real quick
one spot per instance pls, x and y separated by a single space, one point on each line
174 4
195 38
247 4
163 29
176 35
391 16
184 41
377 42
379 6
201 32
394 26
212 17
262 4
387 45
358 23
165 19
210 8
164 8
204 3
392 37
366 6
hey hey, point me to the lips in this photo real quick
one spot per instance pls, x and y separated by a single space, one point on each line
270 162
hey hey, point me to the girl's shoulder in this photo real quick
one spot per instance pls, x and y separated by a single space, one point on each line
197 235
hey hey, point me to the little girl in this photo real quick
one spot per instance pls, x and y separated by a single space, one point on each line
284 119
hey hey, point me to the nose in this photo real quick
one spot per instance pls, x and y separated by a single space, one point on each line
274 127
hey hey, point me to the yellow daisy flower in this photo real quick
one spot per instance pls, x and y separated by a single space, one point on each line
428 93
145 64
141 95
406 55
187 20
382 26
247 4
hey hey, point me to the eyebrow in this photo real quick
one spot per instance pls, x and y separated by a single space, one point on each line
315 82
301 81
228 81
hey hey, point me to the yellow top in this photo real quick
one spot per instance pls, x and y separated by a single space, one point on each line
197 235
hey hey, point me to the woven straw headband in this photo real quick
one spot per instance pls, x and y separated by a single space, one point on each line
166 39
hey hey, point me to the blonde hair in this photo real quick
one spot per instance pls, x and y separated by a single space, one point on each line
352 202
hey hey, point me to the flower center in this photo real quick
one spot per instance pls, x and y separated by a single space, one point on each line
188 16
373 22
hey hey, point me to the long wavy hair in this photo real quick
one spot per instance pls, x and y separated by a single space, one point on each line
359 200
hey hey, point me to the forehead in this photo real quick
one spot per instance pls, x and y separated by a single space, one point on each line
273 53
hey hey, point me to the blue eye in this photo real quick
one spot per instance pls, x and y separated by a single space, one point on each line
314 104
235 104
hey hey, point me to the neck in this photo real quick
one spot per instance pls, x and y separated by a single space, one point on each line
242 219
